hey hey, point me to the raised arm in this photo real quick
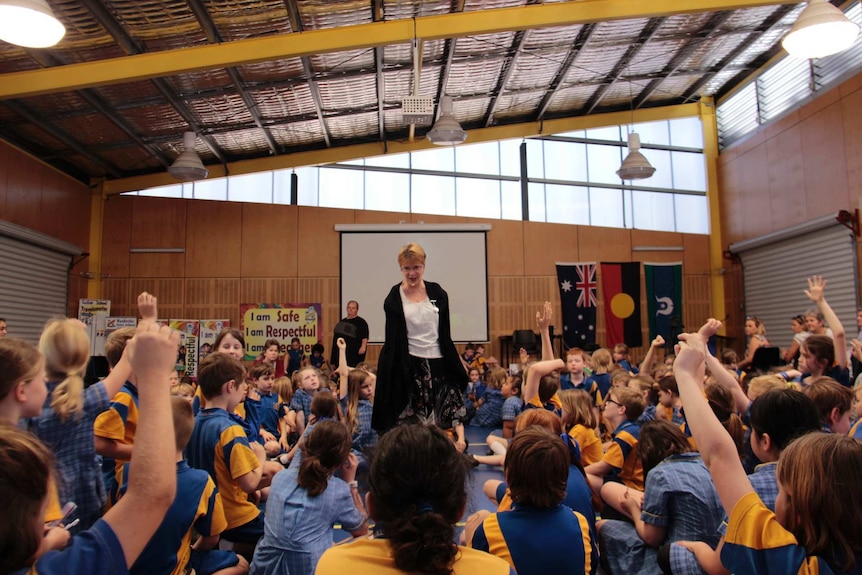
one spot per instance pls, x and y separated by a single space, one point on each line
123 371
649 358
816 286
543 319
343 369
717 448
535 374
152 475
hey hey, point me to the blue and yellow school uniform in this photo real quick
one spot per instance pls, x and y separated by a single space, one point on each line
220 447
757 544
554 404
96 551
603 381
197 505
587 384
523 536
118 423
856 430
269 419
578 497
589 443
375 556
622 455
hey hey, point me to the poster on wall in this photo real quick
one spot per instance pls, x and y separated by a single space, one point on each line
281 321
208 331
187 354
94 313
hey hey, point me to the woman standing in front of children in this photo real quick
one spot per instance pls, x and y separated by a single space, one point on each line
305 500
815 526
68 414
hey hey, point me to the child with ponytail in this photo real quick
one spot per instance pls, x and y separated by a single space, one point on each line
66 422
306 500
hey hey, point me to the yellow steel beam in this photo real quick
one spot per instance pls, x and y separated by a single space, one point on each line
716 241
345 153
253 50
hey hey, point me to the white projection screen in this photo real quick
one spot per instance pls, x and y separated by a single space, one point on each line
456 259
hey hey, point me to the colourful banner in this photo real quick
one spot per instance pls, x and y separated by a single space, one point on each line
187 354
664 300
208 331
577 283
621 291
263 321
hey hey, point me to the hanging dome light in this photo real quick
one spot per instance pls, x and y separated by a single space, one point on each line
188 166
446 131
635 166
29 23
821 30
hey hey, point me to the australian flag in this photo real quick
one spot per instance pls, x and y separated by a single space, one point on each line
578 285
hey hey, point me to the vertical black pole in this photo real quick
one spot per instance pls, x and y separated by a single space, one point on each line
525 188
294 189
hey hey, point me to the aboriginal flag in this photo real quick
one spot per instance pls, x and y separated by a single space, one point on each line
621 290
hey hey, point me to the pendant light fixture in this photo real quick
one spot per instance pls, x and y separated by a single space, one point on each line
29 23
821 30
635 166
188 166
446 131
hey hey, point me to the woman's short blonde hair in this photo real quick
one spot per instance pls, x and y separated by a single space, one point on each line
411 253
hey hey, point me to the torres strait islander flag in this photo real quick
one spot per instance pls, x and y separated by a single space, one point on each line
621 291
664 299
578 285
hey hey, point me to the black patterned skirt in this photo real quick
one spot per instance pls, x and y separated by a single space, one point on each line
432 399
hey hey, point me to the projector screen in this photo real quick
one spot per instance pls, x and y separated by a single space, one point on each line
456 259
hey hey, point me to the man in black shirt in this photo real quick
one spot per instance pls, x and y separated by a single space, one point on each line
354 330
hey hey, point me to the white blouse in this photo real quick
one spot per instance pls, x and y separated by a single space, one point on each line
423 331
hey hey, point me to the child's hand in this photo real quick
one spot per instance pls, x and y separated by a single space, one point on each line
341 343
267 436
348 468
258 450
857 349
690 356
657 342
460 445
709 329
816 285
153 351
147 306
543 317
523 356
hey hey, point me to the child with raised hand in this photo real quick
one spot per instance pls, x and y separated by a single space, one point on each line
647 366
579 421
777 418
542 385
69 412
816 359
537 470
306 500
357 406
813 529
114 542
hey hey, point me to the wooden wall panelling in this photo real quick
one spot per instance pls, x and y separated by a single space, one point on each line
158 223
268 290
505 245
375 217
437 219
604 244
170 293
695 257
214 239
786 181
65 211
117 237
24 192
734 295
754 188
696 297
5 159
212 298
730 199
506 311
319 242
546 244
850 106
269 241
824 162
123 303
325 292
